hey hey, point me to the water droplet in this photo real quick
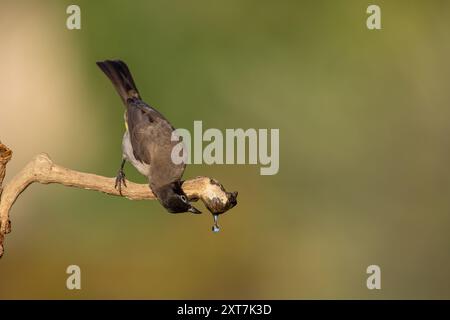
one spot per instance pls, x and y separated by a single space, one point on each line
215 227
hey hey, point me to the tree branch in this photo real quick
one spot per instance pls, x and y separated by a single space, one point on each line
42 169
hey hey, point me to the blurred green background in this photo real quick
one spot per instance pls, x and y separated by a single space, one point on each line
364 123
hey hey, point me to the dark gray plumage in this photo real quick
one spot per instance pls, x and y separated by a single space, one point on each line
147 142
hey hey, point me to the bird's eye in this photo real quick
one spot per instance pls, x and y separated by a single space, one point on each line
183 198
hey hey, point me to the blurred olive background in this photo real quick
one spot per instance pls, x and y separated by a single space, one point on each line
364 123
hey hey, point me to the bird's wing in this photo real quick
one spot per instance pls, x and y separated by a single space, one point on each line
150 132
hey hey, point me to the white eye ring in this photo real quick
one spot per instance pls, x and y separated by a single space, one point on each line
183 198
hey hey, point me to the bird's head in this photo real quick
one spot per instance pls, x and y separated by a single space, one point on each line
173 198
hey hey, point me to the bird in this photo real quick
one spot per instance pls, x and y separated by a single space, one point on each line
147 142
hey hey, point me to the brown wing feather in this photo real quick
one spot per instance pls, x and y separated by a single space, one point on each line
148 130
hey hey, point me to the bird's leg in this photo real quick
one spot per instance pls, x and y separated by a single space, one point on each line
120 178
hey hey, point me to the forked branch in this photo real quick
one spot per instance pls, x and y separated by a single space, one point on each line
42 169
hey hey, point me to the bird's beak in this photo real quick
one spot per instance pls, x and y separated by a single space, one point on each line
194 210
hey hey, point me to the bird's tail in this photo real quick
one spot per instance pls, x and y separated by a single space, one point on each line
119 74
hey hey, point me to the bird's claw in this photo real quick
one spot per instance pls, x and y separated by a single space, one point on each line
120 179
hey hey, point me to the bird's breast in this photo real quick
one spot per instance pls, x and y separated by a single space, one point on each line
127 150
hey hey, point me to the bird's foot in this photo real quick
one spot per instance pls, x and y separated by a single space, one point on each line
120 179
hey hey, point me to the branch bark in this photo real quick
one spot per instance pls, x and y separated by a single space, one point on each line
41 169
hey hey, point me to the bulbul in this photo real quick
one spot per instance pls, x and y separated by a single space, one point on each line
147 143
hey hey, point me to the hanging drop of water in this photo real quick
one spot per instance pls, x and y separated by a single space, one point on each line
215 227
